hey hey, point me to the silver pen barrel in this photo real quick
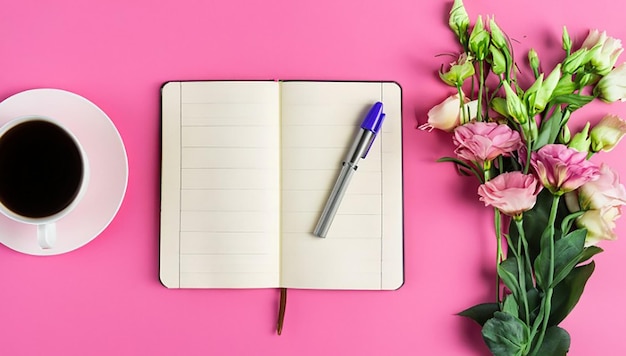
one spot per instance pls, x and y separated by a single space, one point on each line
332 204
357 151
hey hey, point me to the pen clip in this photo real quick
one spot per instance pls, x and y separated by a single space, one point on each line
375 130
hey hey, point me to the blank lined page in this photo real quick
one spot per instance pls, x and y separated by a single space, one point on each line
247 167
229 184
319 123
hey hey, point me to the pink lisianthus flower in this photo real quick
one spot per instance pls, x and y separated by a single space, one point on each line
512 193
482 142
562 169
447 115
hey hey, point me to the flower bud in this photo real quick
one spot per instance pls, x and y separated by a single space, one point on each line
607 133
479 40
586 79
530 95
581 141
565 135
514 105
533 59
544 94
575 61
497 36
459 21
567 41
498 61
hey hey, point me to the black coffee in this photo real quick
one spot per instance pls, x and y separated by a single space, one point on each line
40 169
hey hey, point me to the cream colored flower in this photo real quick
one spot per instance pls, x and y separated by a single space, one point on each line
612 87
607 133
600 224
447 115
605 50
602 199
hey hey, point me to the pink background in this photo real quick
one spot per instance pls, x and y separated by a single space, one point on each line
105 298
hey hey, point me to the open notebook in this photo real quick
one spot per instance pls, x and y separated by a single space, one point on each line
247 167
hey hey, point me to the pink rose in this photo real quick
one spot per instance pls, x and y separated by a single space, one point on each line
446 116
512 193
562 169
482 142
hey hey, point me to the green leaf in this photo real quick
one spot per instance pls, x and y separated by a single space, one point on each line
510 306
549 130
462 164
534 303
567 254
589 252
535 221
508 272
542 263
506 335
567 293
574 101
481 313
498 104
565 86
567 222
555 343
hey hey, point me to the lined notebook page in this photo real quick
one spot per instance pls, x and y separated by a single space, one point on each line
319 122
224 138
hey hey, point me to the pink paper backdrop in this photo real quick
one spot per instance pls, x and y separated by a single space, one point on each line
106 299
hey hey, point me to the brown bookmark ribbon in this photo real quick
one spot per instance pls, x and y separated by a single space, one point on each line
281 310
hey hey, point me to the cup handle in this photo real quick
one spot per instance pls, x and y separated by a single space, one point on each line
46 235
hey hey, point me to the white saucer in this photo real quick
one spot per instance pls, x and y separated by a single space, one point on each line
108 169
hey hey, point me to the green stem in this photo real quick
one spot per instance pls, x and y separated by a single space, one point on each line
463 116
498 228
528 151
519 222
547 299
481 85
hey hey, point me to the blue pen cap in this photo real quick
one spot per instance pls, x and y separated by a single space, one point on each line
374 118
372 122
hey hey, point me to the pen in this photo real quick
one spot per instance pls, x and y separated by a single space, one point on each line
360 147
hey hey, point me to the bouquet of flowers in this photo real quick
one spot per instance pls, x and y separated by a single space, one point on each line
552 204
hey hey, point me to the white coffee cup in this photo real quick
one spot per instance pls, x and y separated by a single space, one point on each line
44 173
